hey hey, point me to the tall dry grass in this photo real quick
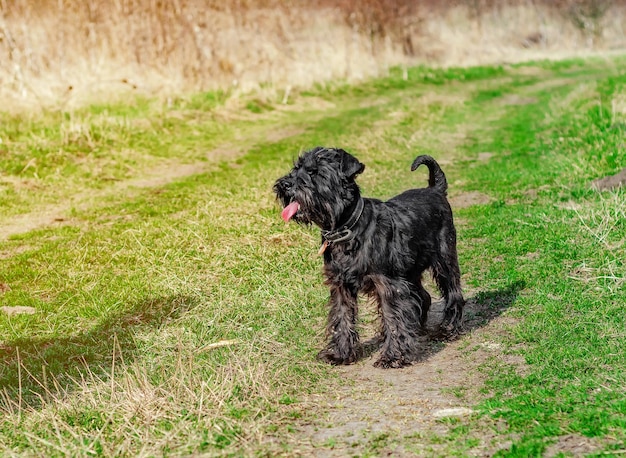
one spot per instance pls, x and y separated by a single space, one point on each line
68 50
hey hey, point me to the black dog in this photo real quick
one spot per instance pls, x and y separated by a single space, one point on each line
378 248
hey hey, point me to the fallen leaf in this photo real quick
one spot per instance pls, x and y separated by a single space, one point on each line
18 310
221 343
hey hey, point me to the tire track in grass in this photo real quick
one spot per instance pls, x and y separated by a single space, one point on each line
58 214
160 175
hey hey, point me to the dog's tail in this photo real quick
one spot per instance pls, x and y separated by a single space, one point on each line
436 179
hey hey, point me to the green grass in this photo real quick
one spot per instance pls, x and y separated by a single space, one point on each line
182 318
573 315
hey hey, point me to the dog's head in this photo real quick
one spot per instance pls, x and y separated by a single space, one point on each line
320 187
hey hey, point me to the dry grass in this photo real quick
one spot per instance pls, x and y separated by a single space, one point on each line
75 50
602 222
66 51
144 415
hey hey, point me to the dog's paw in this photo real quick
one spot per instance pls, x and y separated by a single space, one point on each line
448 332
391 363
330 356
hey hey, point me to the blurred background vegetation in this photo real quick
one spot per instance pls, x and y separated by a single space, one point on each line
70 51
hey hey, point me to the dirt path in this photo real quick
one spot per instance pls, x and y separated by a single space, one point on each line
361 416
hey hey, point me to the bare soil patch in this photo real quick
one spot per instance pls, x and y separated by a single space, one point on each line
281 134
467 199
484 156
515 99
610 182
572 445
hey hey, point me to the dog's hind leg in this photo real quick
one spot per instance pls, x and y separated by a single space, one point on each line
400 314
344 347
447 274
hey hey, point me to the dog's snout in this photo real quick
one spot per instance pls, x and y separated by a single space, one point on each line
283 185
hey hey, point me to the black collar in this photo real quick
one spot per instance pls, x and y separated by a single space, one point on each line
345 233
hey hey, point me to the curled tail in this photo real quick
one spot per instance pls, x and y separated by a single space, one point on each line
436 179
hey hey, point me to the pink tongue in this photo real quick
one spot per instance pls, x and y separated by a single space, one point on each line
290 210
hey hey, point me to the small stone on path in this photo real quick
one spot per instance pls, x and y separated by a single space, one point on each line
453 412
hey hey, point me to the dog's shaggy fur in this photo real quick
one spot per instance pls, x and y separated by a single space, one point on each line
377 248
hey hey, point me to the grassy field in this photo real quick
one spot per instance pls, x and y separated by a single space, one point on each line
167 310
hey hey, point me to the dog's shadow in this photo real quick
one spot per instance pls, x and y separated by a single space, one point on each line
480 309
35 370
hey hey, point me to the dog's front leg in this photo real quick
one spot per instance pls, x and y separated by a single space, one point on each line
344 347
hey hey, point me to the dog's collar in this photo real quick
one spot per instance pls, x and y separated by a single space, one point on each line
344 233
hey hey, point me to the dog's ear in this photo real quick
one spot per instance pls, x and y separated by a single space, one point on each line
350 165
